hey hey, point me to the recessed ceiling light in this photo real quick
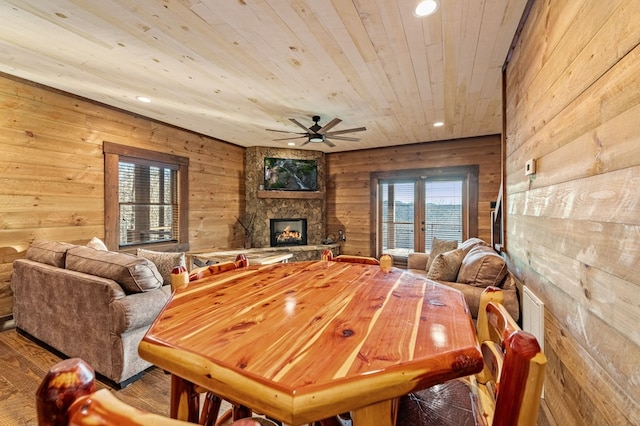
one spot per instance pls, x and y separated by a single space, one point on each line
438 124
426 8
291 144
143 99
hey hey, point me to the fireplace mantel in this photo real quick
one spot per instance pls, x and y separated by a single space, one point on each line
307 195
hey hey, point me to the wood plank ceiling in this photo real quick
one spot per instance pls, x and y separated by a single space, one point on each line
232 68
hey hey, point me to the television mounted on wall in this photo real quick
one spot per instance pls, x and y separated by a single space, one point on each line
290 174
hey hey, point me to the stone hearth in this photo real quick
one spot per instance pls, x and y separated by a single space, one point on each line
262 209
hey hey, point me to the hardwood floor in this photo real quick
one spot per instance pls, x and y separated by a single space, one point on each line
23 364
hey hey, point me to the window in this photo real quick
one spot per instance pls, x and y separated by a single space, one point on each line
415 206
145 197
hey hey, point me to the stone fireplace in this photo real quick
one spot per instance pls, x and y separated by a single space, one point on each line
263 206
288 232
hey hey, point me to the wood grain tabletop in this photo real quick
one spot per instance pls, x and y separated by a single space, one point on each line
305 340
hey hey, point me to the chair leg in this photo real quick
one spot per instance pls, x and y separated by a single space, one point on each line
210 409
224 417
330 421
240 412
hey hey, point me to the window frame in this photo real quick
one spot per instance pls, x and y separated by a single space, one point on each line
470 213
112 155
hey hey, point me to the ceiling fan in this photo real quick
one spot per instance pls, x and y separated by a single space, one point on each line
318 134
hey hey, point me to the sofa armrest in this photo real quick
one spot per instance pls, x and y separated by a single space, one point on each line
138 309
59 307
417 260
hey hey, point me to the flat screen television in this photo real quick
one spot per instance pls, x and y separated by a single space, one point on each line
290 174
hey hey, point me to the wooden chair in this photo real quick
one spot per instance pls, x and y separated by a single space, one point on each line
217 268
356 259
212 402
506 392
327 254
67 396
386 262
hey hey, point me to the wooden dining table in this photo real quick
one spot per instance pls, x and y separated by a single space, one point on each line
304 341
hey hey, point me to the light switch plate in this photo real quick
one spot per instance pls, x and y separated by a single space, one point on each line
530 167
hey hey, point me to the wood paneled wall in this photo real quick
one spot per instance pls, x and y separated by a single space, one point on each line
52 180
573 228
348 182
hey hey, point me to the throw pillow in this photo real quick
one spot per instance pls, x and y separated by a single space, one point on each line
134 274
472 242
98 244
446 265
164 261
440 246
482 267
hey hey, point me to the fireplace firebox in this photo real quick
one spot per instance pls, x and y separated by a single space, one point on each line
288 232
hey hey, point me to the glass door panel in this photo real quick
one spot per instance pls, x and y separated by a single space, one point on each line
443 210
397 218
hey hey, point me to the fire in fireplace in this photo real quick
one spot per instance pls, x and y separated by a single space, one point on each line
288 232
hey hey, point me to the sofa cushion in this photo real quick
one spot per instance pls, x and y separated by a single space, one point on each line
49 252
133 273
164 261
440 246
482 267
446 265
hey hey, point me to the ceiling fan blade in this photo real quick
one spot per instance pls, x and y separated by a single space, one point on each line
285 131
286 139
329 125
305 142
344 138
329 143
297 123
340 132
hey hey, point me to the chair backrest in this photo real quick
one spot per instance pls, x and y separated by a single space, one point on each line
217 268
386 261
327 254
521 379
514 365
356 259
67 396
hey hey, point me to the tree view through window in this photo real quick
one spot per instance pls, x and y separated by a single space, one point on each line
414 211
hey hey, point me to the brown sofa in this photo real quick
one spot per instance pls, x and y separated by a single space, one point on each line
87 303
470 267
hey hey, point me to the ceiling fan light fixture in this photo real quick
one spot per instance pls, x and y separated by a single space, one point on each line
316 138
426 8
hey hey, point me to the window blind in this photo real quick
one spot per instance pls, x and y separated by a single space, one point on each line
148 201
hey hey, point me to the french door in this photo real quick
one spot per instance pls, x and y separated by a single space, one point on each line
412 210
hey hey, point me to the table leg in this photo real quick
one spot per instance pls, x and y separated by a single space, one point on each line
185 401
383 413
